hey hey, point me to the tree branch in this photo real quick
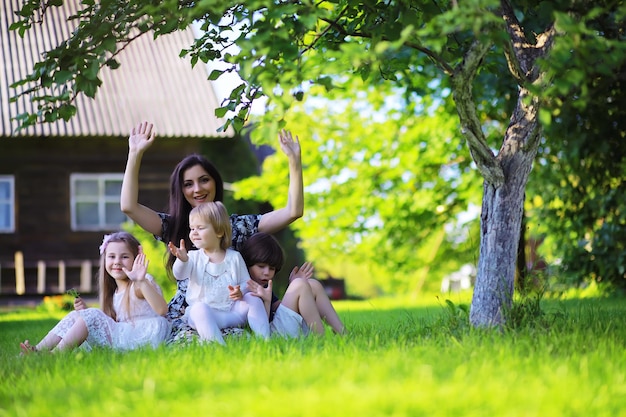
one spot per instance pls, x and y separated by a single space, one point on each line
462 79
331 24
437 60
521 55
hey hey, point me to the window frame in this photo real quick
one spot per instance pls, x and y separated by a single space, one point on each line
10 179
101 199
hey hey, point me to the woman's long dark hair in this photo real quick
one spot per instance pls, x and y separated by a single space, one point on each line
179 207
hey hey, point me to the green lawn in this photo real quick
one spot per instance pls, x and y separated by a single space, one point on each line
401 358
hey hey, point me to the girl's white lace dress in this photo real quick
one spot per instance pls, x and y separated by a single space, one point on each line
139 327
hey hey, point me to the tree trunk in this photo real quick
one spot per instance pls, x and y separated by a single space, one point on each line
522 273
501 218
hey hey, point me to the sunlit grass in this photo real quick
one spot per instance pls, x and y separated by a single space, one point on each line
402 357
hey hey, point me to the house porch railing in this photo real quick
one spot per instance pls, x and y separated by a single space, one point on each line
22 277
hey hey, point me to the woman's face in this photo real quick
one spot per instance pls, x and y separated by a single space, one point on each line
198 186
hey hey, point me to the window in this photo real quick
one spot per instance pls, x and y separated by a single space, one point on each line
7 204
95 201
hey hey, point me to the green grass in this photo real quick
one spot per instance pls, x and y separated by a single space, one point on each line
401 358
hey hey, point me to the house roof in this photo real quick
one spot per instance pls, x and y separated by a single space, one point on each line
153 83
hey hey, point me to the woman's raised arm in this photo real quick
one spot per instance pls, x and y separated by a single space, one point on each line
279 219
141 138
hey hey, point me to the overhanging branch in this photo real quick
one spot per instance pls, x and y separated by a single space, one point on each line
438 60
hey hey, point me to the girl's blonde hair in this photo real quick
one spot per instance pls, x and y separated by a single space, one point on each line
214 212
106 283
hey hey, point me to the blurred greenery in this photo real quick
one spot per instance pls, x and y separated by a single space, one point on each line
578 186
385 212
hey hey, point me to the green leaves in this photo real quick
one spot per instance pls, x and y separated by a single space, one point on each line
379 181
580 179
589 43
72 67
279 52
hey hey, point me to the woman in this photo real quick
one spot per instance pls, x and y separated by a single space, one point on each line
194 181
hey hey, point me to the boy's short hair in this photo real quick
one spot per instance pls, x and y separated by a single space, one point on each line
263 248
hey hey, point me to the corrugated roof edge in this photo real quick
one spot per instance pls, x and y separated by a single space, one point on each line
152 83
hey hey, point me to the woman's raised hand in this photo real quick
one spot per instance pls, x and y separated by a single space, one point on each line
141 137
289 146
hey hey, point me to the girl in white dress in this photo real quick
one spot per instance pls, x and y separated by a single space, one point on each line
132 305
217 294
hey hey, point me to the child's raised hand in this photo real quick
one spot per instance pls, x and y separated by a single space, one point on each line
305 271
179 252
234 292
140 267
256 289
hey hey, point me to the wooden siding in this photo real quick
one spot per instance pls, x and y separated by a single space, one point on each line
42 169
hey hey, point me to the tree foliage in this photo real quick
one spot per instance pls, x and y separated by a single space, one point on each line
581 181
282 47
382 183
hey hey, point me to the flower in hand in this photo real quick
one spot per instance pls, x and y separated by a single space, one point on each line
79 304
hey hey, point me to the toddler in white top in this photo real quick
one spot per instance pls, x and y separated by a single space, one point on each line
217 294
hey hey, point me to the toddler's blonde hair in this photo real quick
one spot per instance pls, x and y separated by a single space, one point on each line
214 212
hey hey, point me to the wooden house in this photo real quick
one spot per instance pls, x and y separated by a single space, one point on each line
60 182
